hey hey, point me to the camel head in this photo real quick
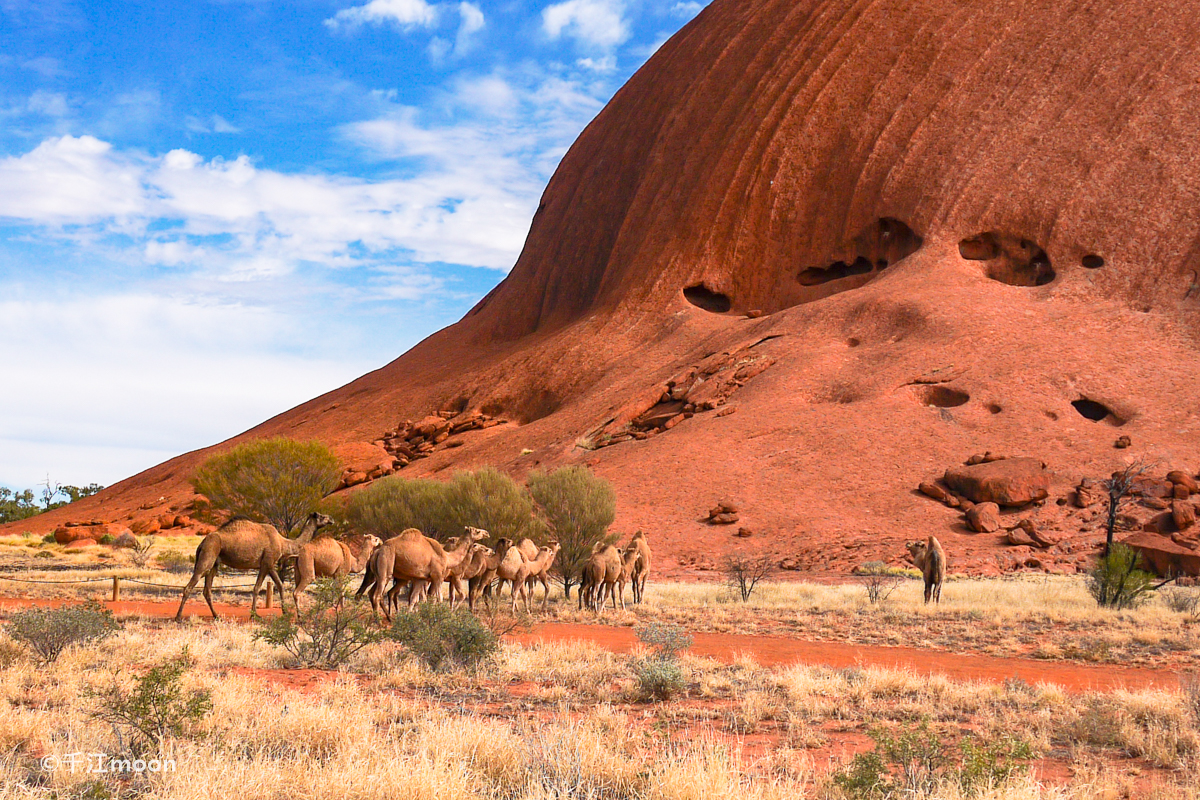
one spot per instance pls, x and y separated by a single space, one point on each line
477 534
638 535
503 545
372 541
553 546
917 551
451 543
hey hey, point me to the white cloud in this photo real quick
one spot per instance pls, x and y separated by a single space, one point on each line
141 378
71 180
472 23
214 124
606 64
404 13
687 9
598 23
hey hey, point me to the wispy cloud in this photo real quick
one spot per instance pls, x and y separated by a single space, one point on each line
403 13
596 23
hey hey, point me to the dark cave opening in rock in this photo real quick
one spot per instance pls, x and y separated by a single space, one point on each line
1093 410
703 297
815 276
1011 260
1093 261
941 396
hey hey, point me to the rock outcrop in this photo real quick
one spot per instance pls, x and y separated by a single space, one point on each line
1006 482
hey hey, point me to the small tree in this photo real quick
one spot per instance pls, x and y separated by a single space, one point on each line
17 505
444 638
1118 486
1117 580
279 481
157 708
326 632
879 581
486 499
50 631
577 507
743 573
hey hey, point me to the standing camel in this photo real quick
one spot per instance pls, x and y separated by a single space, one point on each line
242 544
412 556
326 557
459 580
482 580
930 558
602 570
539 570
513 569
641 570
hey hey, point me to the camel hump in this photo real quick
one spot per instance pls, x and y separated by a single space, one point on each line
410 534
639 535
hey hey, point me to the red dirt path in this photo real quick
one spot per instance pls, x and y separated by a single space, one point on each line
769 651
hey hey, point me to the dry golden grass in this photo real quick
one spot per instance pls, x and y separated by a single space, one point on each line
388 727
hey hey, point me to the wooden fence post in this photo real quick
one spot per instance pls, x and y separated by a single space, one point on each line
116 588
270 592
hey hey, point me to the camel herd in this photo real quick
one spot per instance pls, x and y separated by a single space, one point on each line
414 561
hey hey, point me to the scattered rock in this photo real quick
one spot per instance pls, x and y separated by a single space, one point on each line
145 526
1181 478
984 517
1157 503
1122 442
79 543
1019 537
745 533
1088 492
724 513
1007 482
725 412
934 491
1183 514
1146 486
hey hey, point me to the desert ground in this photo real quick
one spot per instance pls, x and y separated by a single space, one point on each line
1009 688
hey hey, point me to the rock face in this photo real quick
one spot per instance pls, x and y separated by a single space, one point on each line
1164 556
1008 482
894 234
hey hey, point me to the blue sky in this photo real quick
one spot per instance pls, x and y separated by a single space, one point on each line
212 211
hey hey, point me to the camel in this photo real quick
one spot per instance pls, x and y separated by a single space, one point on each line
539 569
630 558
242 544
326 557
370 575
930 558
513 569
412 556
641 570
602 570
459 580
482 580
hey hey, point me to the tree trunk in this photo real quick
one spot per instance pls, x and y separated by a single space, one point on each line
1113 501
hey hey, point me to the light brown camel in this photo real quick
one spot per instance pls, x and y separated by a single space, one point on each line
459 580
326 557
602 570
483 580
412 556
629 561
641 570
513 569
930 558
242 544
539 570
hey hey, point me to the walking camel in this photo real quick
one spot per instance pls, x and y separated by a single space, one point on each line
242 544
326 557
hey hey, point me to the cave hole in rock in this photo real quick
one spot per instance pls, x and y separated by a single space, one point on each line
994 408
703 297
941 396
880 244
852 342
1092 261
1010 259
1096 411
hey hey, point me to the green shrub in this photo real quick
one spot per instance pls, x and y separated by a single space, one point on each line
1117 581
659 675
49 631
279 481
577 507
175 561
107 538
916 762
326 632
156 708
49 538
444 639
486 499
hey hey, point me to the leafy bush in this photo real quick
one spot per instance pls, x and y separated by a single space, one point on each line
107 538
444 639
327 632
486 499
279 481
916 762
157 708
577 507
49 631
1117 580
1181 600
16 505
175 561
660 676
49 538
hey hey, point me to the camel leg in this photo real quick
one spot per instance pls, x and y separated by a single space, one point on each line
208 582
546 588
186 591
262 576
274 573
206 560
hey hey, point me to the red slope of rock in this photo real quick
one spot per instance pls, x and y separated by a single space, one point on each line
830 164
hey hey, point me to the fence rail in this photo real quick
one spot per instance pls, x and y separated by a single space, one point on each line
117 580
